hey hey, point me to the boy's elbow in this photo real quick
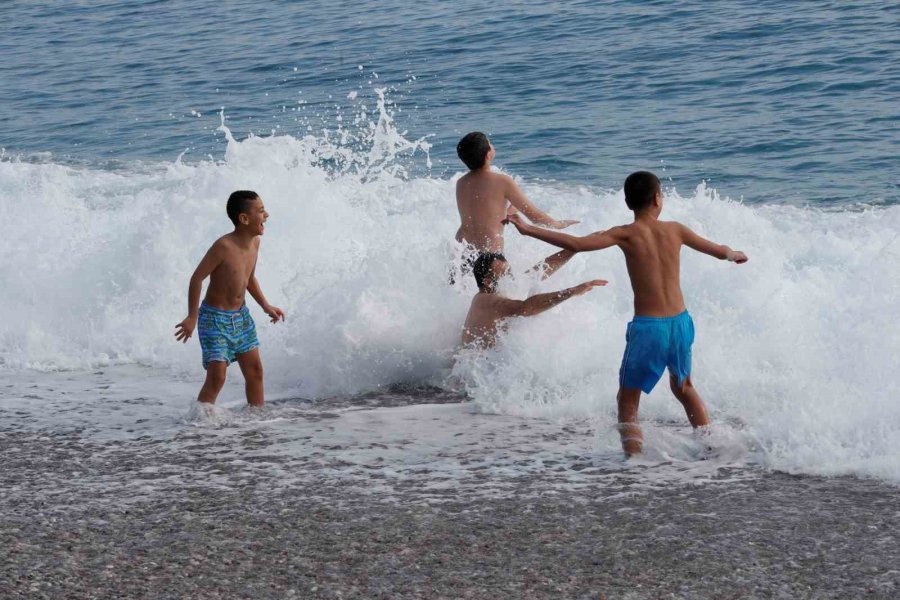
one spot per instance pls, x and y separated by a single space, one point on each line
574 245
523 309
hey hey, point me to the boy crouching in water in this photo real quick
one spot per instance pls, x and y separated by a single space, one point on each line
490 307
226 329
662 332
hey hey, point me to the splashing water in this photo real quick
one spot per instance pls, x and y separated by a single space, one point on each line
795 351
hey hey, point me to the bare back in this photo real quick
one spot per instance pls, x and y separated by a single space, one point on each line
229 279
485 314
653 256
481 197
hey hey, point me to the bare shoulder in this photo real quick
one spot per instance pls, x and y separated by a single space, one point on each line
504 179
225 240
619 232
675 228
672 225
505 307
223 244
495 304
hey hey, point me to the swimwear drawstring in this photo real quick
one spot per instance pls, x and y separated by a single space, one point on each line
233 324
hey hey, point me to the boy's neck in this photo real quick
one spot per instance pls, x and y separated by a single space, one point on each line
648 214
243 236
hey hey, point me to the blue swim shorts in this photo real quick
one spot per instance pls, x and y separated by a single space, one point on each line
653 344
225 333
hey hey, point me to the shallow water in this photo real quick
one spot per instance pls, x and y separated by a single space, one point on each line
421 442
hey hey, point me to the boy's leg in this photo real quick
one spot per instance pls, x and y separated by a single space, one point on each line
691 401
251 367
215 379
629 430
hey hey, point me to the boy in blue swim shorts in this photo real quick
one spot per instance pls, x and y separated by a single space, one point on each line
226 330
662 332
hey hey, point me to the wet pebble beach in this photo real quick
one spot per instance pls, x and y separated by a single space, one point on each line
87 517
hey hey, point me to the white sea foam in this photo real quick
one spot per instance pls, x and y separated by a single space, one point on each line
795 350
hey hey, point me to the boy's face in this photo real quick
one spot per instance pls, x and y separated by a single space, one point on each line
254 219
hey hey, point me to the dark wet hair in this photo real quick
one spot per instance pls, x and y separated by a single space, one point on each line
238 202
640 189
473 149
483 265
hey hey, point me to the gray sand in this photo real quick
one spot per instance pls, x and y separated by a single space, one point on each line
79 520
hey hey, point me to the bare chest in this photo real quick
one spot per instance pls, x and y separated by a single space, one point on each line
236 268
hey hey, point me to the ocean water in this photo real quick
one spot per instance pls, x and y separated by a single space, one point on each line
125 126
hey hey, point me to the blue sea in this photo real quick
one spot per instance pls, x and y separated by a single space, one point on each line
775 127
768 103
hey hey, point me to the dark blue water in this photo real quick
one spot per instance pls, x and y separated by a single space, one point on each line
769 101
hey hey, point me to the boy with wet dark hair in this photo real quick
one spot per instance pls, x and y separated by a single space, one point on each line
226 329
239 202
473 149
662 332
489 307
484 198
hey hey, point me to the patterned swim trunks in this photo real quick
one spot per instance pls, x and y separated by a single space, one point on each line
225 333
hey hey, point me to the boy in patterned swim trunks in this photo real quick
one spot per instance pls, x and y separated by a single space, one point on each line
226 329
662 332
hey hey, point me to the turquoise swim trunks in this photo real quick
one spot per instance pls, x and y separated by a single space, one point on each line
225 333
653 344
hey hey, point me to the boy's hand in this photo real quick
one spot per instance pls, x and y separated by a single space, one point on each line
275 313
185 329
516 220
736 256
563 224
588 286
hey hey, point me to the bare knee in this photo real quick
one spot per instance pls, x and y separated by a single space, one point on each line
215 376
253 370
680 390
676 389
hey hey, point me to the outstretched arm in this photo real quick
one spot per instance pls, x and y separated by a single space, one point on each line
594 241
539 303
214 257
520 201
275 313
551 264
701 244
